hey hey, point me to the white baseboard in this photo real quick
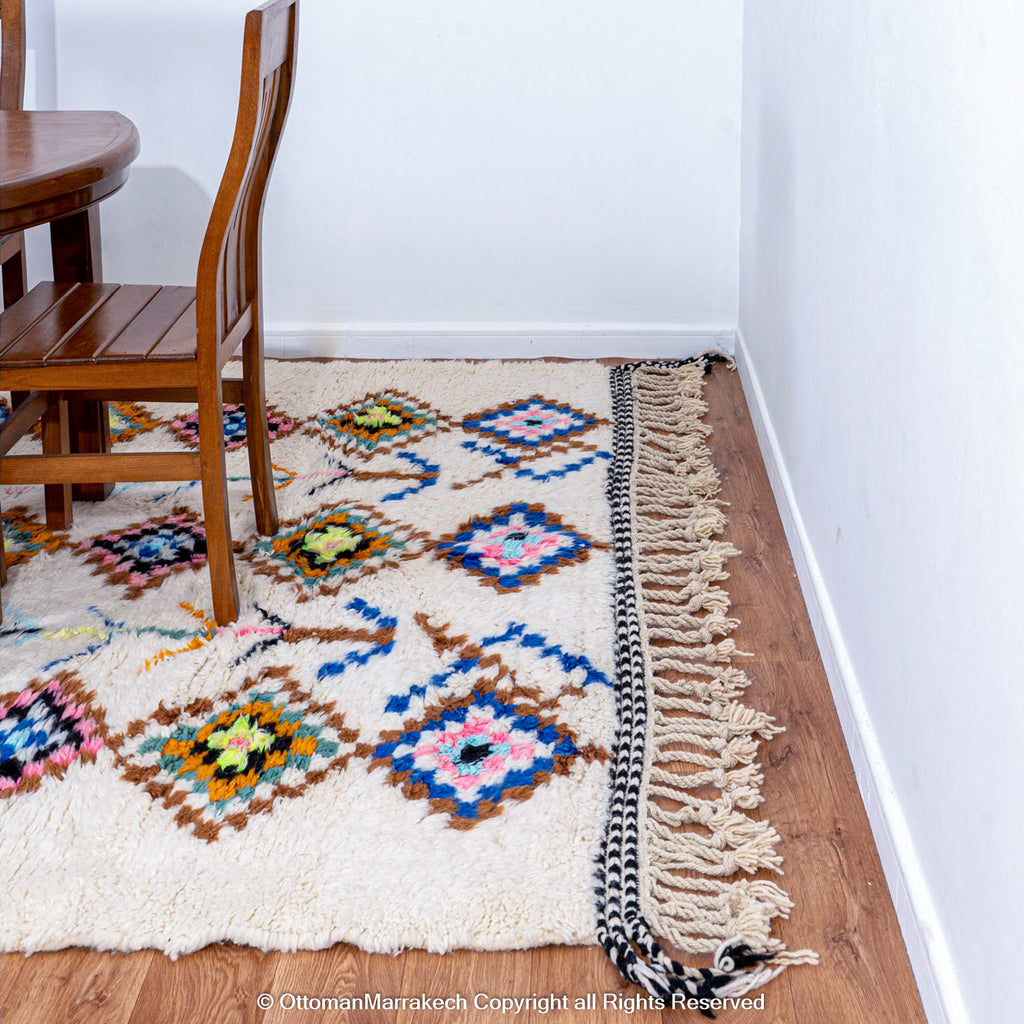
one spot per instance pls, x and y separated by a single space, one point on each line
495 341
926 944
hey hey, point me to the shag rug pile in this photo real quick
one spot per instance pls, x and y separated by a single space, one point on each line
479 694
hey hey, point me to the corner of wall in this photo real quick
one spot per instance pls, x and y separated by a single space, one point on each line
926 944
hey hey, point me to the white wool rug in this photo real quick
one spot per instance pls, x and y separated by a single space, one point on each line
479 680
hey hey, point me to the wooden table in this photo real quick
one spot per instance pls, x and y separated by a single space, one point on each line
55 166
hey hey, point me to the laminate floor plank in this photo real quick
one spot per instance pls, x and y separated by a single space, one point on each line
75 986
469 974
219 983
579 972
340 972
11 965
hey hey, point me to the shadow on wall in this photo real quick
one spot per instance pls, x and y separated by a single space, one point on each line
153 228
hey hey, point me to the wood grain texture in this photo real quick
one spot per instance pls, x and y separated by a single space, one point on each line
340 971
49 333
75 987
13 268
37 303
145 330
467 974
219 983
56 444
576 971
12 58
843 908
94 323
95 377
142 466
76 253
57 162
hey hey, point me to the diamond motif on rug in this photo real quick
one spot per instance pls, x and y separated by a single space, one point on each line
391 419
467 757
186 428
514 546
144 554
43 729
25 537
333 546
219 763
531 423
128 420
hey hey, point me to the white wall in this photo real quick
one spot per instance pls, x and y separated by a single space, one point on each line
516 164
882 303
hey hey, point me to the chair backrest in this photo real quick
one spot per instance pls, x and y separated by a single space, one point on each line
228 279
12 59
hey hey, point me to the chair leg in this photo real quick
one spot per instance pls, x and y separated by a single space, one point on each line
215 504
57 441
261 472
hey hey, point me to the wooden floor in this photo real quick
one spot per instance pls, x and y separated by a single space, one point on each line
843 909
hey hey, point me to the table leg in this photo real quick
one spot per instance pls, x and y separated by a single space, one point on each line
75 249
15 284
15 275
75 246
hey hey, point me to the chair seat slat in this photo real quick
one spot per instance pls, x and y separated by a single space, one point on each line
104 325
57 325
17 318
142 334
180 341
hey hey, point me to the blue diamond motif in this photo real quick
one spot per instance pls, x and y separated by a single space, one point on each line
514 546
466 756
531 423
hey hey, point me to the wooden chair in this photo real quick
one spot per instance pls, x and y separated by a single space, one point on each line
152 343
12 97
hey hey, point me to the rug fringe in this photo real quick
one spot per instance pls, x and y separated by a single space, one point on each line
671 850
